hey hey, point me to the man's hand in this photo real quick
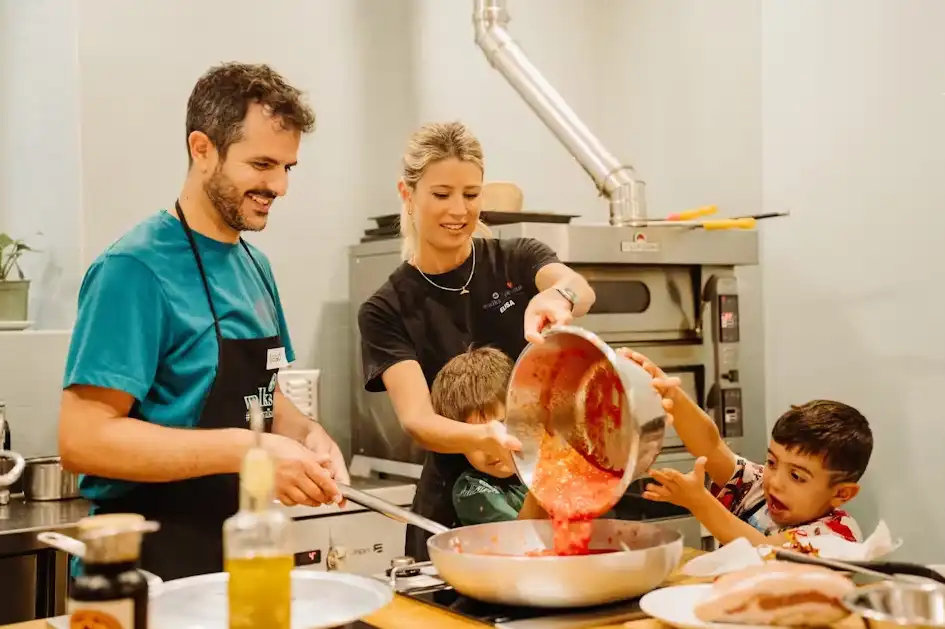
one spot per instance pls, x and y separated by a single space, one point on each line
303 477
320 443
547 308
682 490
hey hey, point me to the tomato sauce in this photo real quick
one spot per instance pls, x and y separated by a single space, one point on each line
574 491
572 485
545 552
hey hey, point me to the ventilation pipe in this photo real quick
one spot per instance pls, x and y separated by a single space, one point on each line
614 180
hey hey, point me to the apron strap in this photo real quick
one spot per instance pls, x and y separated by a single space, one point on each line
262 275
203 273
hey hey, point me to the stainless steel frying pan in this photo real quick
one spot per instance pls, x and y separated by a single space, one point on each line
487 562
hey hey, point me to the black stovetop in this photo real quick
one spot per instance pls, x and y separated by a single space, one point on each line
492 614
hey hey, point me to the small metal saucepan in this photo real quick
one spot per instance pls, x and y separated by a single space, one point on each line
488 562
555 387
45 479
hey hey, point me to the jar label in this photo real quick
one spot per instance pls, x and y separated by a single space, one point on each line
118 614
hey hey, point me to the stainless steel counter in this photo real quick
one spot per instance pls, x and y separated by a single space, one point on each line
20 521
33 577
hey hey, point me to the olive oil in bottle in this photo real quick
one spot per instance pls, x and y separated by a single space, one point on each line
256 545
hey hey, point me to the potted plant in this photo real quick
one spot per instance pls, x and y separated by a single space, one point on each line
14 287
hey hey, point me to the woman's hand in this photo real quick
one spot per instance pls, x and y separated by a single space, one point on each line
547 308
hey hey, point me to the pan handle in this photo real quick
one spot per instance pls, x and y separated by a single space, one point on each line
877 569
392 511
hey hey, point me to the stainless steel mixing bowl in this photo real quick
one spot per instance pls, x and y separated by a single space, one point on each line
548 392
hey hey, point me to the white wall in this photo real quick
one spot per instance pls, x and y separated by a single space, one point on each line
854 124
39 149
832 110
454 81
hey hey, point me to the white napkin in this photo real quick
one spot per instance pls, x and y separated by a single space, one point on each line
733 556
878 544
741 554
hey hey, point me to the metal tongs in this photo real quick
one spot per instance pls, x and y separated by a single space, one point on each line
898 571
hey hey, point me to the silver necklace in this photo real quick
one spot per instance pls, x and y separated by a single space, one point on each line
464 290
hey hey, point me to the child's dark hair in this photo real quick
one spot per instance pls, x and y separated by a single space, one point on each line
832 430
473 382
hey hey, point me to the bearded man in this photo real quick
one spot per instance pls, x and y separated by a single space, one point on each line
180 328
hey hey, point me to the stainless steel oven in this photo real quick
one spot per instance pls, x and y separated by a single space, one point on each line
686 320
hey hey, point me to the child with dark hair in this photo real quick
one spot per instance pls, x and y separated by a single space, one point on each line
816 456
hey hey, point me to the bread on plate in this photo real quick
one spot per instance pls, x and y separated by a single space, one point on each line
777 593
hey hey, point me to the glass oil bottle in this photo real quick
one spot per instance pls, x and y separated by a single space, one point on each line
256 544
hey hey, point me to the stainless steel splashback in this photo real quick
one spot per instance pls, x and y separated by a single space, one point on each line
690 279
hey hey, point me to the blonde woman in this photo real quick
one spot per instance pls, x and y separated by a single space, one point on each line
452 292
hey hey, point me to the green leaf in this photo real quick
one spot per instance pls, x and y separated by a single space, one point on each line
5 241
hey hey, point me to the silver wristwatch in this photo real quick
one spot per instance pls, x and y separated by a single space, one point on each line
568 294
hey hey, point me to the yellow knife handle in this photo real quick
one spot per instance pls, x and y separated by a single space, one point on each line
730 223
690 215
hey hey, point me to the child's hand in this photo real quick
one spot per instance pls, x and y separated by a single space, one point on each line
664 385
682 490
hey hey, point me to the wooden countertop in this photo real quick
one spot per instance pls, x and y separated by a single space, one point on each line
404 613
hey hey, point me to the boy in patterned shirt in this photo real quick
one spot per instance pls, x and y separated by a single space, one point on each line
817 454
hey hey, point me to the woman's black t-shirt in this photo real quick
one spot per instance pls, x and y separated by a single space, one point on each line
410 319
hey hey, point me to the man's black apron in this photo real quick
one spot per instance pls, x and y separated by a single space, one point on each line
191 512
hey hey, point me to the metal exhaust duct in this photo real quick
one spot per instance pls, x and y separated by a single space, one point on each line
616 181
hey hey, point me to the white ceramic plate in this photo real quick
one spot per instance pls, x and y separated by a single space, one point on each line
676 606
14 326
319 600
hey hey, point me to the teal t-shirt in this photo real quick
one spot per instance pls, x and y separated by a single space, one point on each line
479 498
144 325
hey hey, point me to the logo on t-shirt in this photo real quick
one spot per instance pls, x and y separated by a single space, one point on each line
504 298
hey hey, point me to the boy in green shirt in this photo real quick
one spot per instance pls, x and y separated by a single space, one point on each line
471 388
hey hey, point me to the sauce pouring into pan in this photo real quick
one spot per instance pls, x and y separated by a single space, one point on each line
590 423
492 562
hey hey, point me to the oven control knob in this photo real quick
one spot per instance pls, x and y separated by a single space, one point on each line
335 558
401 562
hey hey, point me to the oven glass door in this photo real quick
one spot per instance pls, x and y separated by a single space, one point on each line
643 303
688 383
